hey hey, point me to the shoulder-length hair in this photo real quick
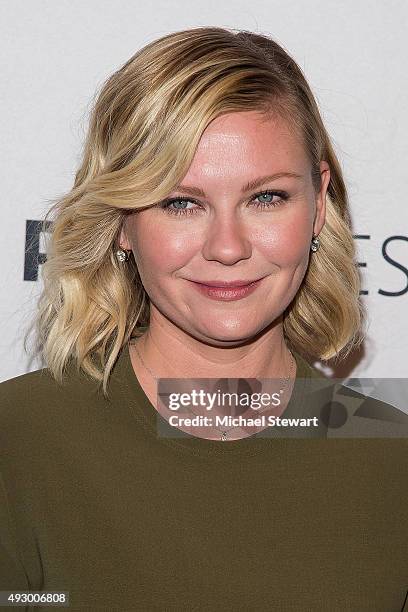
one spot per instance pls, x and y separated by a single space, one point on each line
144 128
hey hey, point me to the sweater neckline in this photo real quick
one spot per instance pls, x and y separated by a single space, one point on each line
152 422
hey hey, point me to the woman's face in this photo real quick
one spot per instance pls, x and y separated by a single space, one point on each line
226 230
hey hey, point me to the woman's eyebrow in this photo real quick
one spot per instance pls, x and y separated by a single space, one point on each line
248 187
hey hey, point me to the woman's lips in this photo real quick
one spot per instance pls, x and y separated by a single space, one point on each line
229 293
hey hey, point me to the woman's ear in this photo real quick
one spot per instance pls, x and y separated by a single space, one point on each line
123 240
320 216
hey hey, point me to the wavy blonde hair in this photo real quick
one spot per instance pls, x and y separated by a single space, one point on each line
144 128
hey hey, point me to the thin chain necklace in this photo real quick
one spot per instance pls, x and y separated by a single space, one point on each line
224 432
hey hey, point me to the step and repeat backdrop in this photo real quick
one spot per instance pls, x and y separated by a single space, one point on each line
56 54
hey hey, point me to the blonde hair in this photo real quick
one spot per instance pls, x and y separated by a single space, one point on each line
144 128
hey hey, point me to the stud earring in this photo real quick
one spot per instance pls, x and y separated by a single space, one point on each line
122 255
315 244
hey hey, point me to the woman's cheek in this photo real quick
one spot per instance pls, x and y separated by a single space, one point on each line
166 254
285 245
176 252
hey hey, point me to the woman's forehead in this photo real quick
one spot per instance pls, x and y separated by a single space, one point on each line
246 127
246 145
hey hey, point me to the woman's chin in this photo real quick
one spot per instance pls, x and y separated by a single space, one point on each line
222 335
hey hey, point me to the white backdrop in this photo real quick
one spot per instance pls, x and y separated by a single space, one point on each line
354 54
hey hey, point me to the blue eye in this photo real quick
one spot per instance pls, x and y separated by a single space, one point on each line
183 210
178 209
268 195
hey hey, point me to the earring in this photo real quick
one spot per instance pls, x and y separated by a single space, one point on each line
315 244
122 255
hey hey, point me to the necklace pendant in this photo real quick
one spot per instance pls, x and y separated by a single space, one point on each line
224 436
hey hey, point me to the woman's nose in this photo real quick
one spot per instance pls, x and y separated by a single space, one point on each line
227 240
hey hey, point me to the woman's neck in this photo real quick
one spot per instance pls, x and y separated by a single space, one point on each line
169 352
161 353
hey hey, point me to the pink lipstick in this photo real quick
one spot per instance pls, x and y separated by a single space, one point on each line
227 291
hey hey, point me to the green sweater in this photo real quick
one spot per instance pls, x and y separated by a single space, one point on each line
94 502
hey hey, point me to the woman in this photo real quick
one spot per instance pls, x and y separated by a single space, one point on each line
207 236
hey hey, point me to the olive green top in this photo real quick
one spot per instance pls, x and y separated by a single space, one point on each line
94 502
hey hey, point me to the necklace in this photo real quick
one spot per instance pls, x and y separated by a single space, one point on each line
224 432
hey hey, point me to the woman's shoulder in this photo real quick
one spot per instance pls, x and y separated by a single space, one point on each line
36 394
24 390
361 415
305 369
24 382
42 381
42 419
348 412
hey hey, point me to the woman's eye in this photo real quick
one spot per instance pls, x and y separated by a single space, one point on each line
269 195
178 206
